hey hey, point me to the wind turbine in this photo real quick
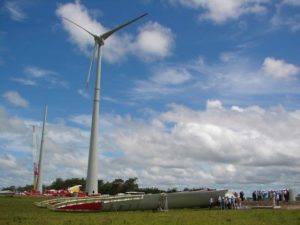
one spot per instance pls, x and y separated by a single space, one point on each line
92 178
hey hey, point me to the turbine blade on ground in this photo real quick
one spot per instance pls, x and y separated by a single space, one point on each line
107 34
91 65
79 26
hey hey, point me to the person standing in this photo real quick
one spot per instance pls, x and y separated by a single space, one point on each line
220 202
211 202
277 198
242 195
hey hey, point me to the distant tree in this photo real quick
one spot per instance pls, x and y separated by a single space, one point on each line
105 188
60 184
114 187
10 188
153 190
25 188
117 187
100 183
131 185
75 181
57 184
172 190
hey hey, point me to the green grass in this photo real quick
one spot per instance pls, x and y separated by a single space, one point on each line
20 210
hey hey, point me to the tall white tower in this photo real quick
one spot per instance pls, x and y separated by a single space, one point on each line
41 157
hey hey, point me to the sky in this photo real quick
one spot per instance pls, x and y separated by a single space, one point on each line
199 93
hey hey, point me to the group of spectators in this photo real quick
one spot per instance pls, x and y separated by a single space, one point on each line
282 195
228 202
277 196
235 200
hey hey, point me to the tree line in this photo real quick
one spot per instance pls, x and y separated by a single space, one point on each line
104 187
111 188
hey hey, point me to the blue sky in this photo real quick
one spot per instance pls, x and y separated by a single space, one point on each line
197 93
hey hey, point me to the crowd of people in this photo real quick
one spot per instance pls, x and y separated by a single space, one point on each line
276 196
228 202
235 200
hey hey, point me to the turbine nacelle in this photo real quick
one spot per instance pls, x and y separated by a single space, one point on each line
99 40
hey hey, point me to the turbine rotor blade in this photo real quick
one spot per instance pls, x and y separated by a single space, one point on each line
107 34
70 21
91 65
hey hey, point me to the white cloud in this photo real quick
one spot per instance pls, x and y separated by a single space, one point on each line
236 108
25 81
171 76
15 11
221 11
118 46
15 98
229 56
279 69
163 81
208 141
234 76
154 41
35 76
284 18
239 75
10 125
178 147
213 104
10 169
36 72
291 2
150 90
84 120
7 162
83 93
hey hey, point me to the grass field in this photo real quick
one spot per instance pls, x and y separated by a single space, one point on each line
20 210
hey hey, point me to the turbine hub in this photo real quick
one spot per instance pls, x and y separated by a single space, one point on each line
99 40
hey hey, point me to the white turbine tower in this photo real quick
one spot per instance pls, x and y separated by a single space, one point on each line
41 157
92 178
35 166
